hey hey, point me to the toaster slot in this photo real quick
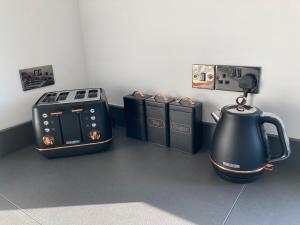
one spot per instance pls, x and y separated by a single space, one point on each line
70 126
80 94
50 97
93 94
62 96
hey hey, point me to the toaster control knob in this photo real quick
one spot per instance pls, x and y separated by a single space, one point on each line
95 135
48 140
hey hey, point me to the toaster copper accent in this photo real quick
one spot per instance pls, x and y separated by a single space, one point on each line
48 140
55 113
77 110
95 135
74 146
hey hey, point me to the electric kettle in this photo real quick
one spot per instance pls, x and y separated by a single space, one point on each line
240 149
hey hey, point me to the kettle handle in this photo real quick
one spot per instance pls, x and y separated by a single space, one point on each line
284 140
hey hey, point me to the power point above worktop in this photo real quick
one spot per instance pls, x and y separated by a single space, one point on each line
226 77
37 77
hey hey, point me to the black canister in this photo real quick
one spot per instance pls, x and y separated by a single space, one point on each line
157 111
185 125
135 115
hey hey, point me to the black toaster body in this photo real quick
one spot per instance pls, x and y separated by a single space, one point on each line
72 122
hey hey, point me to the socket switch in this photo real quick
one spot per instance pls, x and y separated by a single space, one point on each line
203 76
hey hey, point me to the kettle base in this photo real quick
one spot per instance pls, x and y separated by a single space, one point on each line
238 178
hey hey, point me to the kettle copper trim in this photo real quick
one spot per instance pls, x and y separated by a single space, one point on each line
237 171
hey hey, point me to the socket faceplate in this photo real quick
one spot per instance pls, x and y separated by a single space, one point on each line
223 77
227 77
36 77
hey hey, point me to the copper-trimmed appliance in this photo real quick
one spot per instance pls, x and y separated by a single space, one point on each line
240 150
72 122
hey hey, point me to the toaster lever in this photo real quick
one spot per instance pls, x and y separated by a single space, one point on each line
55 113
77 110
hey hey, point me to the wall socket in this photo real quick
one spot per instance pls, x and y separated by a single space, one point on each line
224 77
227 77
37 77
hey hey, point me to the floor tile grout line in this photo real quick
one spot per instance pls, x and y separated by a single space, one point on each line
234 204
21 209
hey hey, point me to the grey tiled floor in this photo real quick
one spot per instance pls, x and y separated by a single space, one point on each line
140 183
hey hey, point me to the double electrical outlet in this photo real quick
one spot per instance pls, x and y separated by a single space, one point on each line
36 77
223 77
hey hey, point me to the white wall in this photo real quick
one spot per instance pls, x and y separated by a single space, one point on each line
151 45
35 33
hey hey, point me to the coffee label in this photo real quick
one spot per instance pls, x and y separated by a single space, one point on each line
181 128
157 123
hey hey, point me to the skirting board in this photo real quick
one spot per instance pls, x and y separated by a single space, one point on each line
21 136
208 129
15 138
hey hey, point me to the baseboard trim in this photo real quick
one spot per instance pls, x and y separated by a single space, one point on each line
21 136
117 115
16 138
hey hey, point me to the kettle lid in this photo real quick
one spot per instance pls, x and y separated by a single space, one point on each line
242 110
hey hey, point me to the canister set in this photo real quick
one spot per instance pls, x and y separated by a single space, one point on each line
164 120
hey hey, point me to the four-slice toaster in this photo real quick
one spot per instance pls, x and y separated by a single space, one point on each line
72 122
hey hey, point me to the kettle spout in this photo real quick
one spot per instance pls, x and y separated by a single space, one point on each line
216 116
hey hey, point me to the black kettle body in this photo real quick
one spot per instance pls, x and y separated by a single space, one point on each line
240 149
